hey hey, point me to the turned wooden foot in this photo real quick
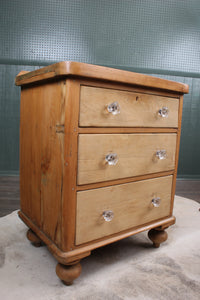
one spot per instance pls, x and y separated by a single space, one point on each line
157 237
68 273
33 238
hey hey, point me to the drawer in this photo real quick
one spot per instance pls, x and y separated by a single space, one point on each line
128 109
103 157
129 204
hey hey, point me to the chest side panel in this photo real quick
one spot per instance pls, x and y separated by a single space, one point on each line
41 155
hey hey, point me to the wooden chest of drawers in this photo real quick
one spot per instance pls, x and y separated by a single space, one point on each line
98 158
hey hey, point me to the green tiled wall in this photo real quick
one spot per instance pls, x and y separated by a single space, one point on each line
157 37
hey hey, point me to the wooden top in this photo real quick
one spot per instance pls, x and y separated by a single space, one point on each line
71 69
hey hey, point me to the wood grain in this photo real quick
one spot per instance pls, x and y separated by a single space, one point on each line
30 153
120 86
66 257
136 109
69 68
122 180
136 155
70 164
66 183
177 151
41 152
131 204
52 153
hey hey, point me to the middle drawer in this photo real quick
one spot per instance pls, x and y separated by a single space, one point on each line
103 157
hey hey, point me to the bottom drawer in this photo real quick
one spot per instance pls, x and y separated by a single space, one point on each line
105 211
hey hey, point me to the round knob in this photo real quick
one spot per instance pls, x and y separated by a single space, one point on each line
161 154
163 112
108 215
114 108
156 201
111 159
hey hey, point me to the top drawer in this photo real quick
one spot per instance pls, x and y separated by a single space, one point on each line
127 109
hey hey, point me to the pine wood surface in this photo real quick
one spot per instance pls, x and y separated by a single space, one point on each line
41 150
121 86
69 68
131 204
68 208
60 154
136 109
122 180
67 257
136 155
177 151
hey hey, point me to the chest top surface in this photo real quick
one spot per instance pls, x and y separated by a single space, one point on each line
77 69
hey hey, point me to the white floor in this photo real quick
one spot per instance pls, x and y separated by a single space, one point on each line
129 269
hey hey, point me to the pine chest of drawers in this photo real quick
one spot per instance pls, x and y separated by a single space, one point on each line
98 158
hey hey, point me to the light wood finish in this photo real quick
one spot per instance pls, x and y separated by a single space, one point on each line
41 155
177 152
131 204
136 109
30 154
70 68
61 163
68 273
120 86
157 237
136 155
68 209
122 180
79 252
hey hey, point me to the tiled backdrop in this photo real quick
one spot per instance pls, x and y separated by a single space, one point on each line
158 37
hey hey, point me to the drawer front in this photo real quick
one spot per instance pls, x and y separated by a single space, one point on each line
129 204
103 157
129 109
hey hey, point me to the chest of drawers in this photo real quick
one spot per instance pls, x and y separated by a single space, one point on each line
98 158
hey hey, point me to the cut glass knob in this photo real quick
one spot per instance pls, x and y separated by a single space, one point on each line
163 112
161 154
108 215
111 159
114 108
156 201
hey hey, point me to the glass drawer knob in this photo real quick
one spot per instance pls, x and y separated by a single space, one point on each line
161 154
156 201
114 108
111 159
108 215
163 112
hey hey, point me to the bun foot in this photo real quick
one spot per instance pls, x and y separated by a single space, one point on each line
68 273
33 238
157 237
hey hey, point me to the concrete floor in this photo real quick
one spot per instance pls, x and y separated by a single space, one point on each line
128 269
